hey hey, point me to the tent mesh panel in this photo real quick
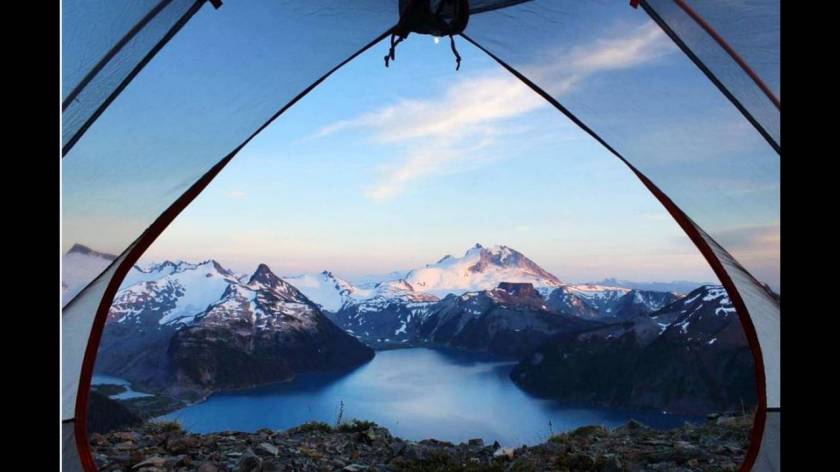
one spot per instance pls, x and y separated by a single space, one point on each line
751 29
114 45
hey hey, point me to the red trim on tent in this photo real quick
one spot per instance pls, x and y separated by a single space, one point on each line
726 47
702 245
634 3
137 250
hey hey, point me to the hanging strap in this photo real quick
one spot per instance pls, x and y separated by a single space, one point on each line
455 51
392 52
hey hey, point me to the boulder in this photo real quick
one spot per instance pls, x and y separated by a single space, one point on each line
248 462
207 467
155 461
266 450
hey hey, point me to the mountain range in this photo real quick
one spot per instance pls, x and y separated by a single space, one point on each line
193 328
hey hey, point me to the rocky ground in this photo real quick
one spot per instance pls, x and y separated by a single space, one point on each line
717 445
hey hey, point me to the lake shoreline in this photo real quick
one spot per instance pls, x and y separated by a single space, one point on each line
447 393
419 392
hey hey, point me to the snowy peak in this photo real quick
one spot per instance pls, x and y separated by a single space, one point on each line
401 289
264 276
265 302
179 293
279 290
327 290
481 268
170 292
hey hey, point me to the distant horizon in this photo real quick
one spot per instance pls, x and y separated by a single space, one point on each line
356 279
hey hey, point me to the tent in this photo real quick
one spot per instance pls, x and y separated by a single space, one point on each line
137 124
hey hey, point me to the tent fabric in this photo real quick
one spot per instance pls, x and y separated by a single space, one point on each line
769 455
249 61
76 325
70 460
90 29
751 30
765 318
99 61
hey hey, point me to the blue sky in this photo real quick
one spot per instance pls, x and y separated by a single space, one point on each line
388 169
381 169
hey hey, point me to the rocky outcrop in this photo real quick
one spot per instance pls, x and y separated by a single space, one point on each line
717 445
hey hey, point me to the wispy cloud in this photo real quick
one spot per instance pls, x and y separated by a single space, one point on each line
456 131
466 107
564 69
437 159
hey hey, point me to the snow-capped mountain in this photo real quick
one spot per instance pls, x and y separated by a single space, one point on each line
259 332
328 290
392 311
390 314
690 357
175 291
480 268
372 280
199 327
79 266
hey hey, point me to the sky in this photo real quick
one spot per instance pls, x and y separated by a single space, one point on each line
387 169
368 175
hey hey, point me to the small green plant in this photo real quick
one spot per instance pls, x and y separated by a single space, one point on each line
355 426
588 431
313 426
166 426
